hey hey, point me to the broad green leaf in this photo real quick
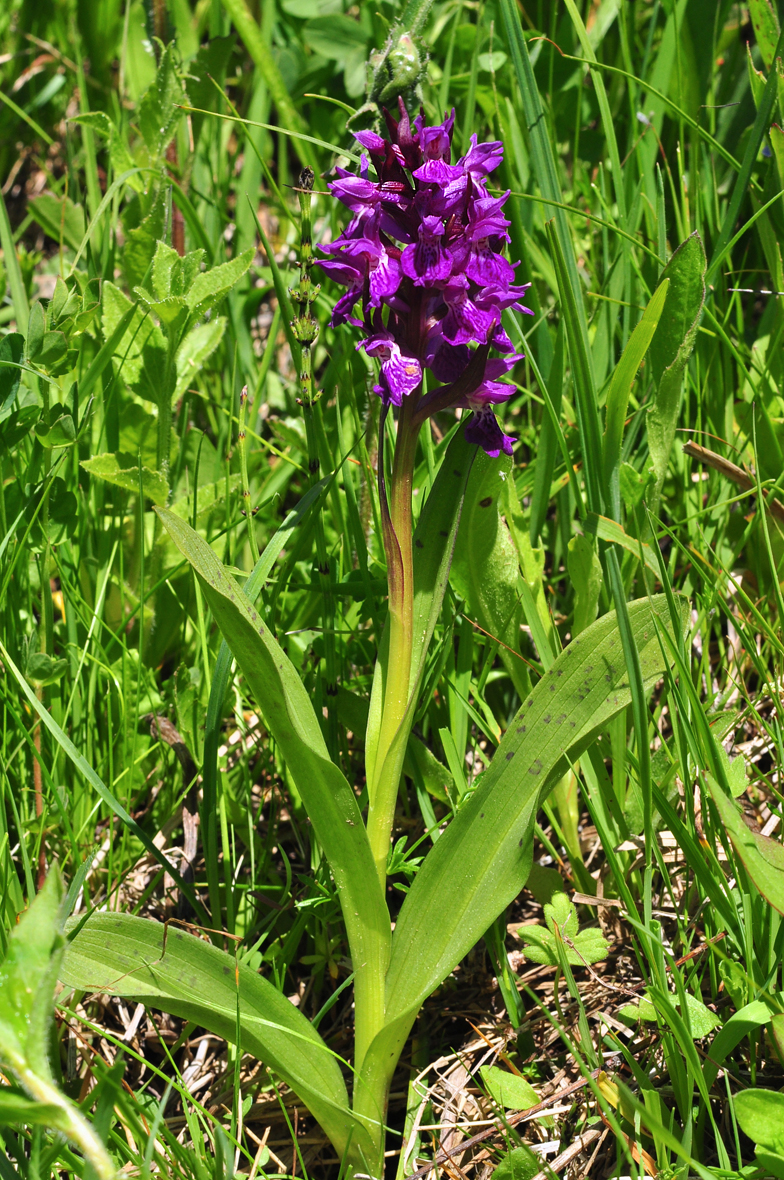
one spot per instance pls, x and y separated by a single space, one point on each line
760 1115
171 311
163 262
28 975
701 1020
585 572
209 287
620 388
141 241
671 348
126 956
746 1020
108 467
140 353
766 28
762 857
59 217
288 714
508 1089
334 36
485 567
482 860
196 348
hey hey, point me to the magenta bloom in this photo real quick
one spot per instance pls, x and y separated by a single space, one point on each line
422 255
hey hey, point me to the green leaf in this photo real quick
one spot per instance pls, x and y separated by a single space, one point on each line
334 36
199 344
671 348
620 388
577 946
585 571
159 110
140 353
60 433
482 860
288 714
141 242
28 976
36 326
164 260
701 1020
11 358
762 857
766 28
518 1164
108 467
485 566
59 216
211 286
760 1115
746 1020
43 669
192 979
509 1090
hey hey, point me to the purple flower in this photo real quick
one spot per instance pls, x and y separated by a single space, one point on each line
400 375
423 255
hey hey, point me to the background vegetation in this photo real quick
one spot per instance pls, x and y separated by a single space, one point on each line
190 123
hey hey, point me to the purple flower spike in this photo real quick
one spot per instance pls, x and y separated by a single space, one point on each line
423 255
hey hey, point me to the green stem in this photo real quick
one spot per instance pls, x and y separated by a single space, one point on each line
398 533
242 446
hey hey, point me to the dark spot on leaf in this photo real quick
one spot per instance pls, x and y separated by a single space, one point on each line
226 970
560 720
520 845
486 502
571 723
443 533
608 678
560 672
552 688
521 728
178 935
419 544
536 768
510 756
589 668
530 702
457 473
547 718
482 815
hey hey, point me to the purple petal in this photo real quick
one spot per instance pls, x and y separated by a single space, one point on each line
482 158
483 429
370 140
465 321
427 261
448 361
438 172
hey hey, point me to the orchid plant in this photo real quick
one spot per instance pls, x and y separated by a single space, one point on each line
421 258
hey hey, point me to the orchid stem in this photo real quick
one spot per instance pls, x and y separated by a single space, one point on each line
398 534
